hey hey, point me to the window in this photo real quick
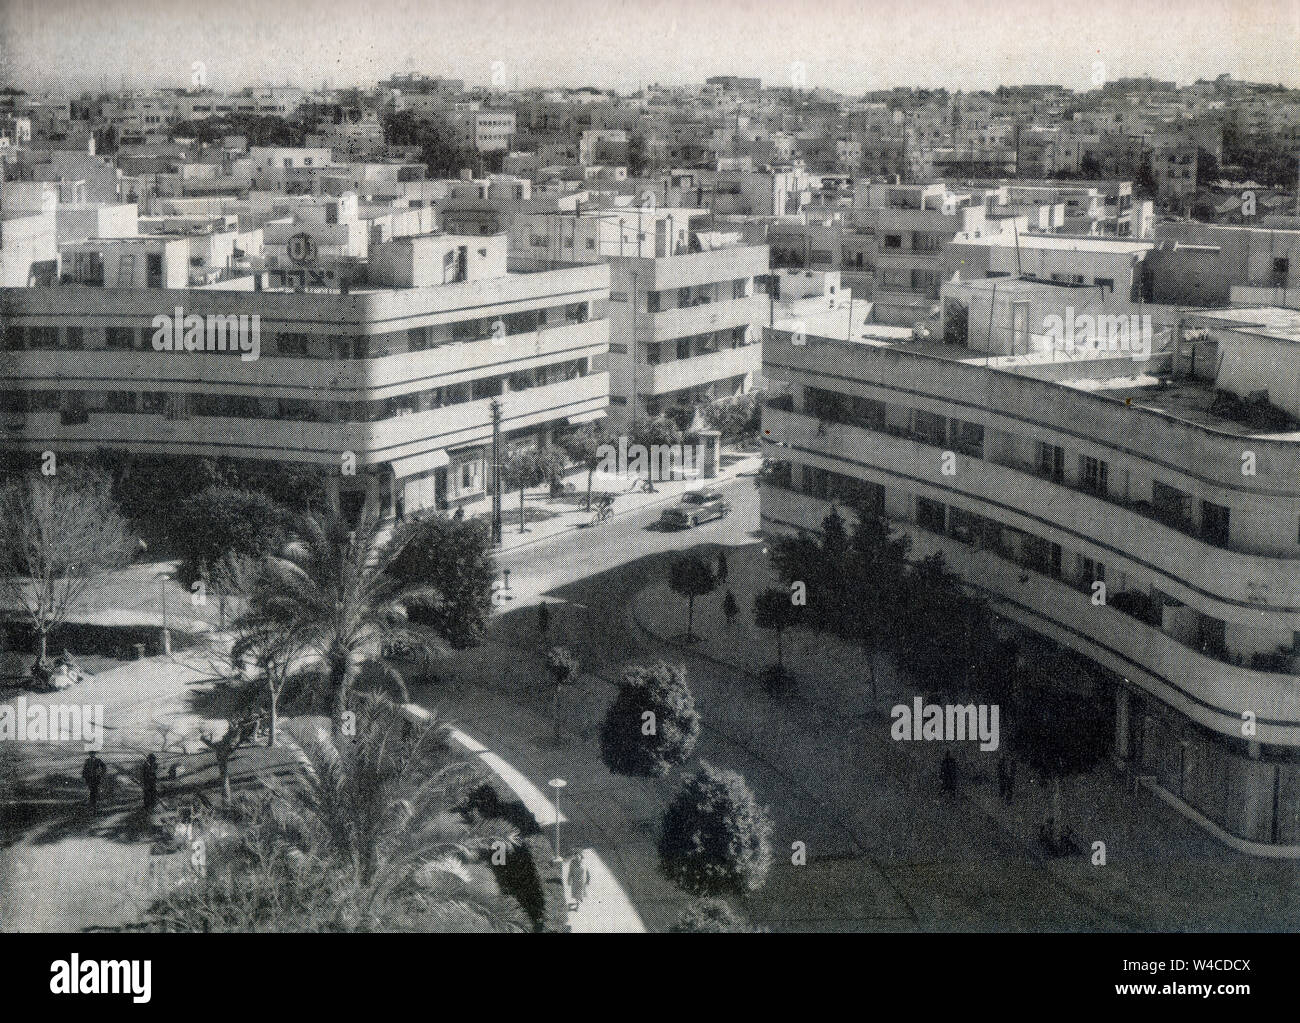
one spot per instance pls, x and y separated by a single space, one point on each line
1214 523
74 338
120 338
618 349
293 345
1093 474
1051 461
738 288
417 339
591 243
893 241
42 338
652 301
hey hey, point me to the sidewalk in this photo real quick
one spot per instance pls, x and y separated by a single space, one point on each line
547 517
1160 870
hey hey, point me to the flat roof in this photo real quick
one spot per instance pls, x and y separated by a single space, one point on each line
1067 243
1270 321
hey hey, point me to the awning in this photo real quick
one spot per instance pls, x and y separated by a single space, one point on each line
416 465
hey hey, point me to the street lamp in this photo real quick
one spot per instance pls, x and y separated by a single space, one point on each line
557 784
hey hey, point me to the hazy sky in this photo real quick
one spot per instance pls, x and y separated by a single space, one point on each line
852 47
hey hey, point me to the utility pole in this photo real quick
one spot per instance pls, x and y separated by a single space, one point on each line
631 421
496 472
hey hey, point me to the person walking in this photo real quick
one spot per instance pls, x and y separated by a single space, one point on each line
579 878
93 772
149 783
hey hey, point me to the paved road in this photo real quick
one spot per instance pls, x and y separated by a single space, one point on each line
885 852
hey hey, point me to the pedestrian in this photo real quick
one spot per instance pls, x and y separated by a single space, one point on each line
92 772
579 878
948 773
722 566
459 513
543 618
149 782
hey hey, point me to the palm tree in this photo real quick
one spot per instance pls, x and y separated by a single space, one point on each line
383 807
371 834
330 591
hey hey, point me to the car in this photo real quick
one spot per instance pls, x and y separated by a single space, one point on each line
696 507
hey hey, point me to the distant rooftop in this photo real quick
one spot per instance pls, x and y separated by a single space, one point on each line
1270 321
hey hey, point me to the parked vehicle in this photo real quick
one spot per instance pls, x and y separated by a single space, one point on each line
696 507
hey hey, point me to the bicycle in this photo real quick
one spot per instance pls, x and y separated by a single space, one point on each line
604 511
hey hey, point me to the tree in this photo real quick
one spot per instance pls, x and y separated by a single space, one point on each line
879 565
716 838
332 591
235 735
222 522
58 534
1207 167
652 725
945 633
691 576
636 156
452 560
531 468
657 431
373 834
585 446
1056 734
440 152
258 649
710 916
730 608
737 418
774 610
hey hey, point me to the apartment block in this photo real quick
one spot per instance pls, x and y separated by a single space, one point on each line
1098 501
387 382
685 309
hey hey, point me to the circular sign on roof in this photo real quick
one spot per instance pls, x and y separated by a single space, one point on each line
301 249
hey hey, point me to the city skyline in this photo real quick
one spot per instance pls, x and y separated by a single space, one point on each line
97 46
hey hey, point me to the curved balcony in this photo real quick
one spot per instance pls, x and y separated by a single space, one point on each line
1210 692
955 382
1231 585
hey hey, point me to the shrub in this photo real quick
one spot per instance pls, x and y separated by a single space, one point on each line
453 557
638 745
710 916
716 838
220 521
